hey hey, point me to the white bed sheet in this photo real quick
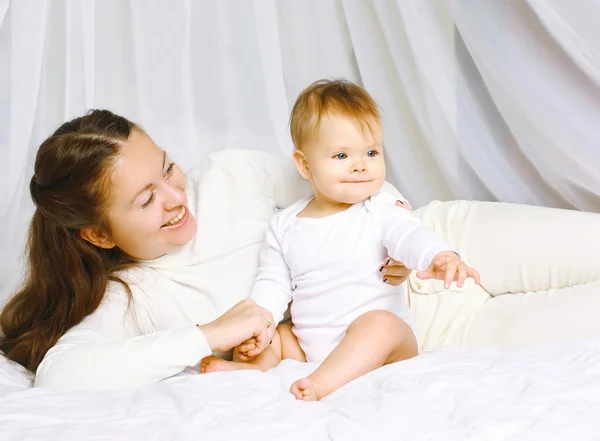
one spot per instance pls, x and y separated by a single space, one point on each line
549 392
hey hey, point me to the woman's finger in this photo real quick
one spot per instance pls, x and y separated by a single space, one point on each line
389 262
263 339
396 271
393 272
267 317
403 204
394 281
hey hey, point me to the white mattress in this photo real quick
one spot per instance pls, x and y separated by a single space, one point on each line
542 393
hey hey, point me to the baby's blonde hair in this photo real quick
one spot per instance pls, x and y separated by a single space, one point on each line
331 97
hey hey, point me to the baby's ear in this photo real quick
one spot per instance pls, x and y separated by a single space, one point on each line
301 164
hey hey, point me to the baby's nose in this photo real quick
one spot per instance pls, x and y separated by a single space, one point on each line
359 168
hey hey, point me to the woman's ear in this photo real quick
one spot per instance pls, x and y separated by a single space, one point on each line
96 236
301 164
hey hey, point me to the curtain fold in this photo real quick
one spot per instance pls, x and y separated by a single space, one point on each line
491 101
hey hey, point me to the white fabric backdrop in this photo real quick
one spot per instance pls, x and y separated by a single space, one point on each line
494 99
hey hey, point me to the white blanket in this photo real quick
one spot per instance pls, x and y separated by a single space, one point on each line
545 393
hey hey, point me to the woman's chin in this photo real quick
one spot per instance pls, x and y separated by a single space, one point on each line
188 232
181 235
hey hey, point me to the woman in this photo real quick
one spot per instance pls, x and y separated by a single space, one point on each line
111 298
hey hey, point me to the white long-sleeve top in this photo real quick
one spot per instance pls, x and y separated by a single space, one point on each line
328 267
156 337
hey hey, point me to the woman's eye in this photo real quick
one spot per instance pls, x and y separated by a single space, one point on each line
169 171
150 200
341 156
372 153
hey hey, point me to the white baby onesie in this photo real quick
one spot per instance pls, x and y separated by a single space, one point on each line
328 267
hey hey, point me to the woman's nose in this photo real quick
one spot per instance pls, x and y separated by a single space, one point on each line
174 197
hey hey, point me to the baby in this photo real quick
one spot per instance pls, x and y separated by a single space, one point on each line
323 253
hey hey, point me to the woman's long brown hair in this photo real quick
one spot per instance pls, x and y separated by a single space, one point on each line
66 275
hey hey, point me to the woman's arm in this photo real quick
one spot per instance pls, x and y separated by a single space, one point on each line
394 272
104 353
85 359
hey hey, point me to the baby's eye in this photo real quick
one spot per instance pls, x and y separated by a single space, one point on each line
372 153
341 156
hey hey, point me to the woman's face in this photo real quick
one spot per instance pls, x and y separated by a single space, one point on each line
148 210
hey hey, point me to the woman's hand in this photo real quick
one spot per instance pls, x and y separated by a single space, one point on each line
244 321
404 204
394 272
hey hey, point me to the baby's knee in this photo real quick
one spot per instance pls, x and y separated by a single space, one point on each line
382 320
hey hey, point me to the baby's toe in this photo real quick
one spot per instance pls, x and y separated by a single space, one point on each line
295 391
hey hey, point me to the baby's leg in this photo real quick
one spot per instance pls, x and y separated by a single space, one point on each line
290 348
374 339
284 345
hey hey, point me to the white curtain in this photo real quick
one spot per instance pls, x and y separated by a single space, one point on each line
487 99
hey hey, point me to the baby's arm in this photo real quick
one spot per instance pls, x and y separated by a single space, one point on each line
273 286
410 241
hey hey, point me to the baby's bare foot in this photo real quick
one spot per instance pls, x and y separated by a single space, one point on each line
216 364
306 389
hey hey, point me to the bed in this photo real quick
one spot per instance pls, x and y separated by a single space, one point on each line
543 392
517 358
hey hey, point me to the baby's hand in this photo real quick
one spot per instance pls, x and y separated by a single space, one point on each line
448 267
248 350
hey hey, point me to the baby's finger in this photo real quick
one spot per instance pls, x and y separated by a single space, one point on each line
450 274
245 347
462 275
474 275
427 274
254 352
244 357
250 341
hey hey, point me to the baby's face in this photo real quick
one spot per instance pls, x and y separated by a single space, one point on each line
344 164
